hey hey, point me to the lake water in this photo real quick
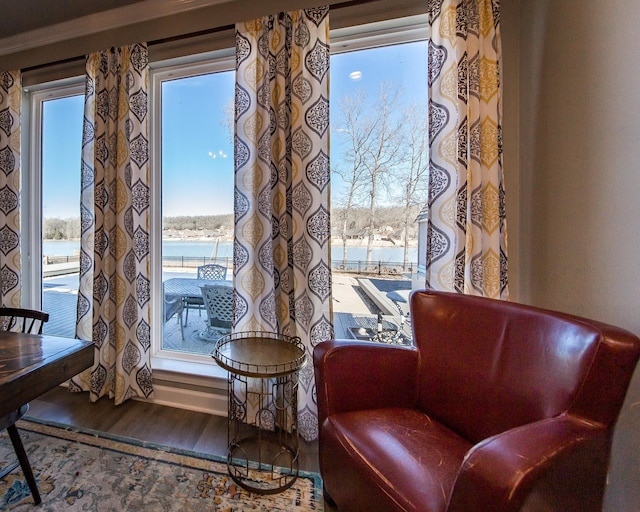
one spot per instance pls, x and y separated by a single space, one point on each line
209 249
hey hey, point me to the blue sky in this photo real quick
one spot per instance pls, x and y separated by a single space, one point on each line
197 156
61 153
404 64
197 151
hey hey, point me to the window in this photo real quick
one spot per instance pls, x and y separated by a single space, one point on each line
379 166
374 246
194 163
51 210
191 125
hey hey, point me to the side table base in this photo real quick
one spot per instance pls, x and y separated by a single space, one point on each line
277 471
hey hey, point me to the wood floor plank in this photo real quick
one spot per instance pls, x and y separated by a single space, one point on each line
213 436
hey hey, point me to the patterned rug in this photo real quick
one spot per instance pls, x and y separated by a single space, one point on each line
93 471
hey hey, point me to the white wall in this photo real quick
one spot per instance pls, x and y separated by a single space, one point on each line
579 171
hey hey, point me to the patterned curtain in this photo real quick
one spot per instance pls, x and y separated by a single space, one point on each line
10 265
466 241
113 300
282 273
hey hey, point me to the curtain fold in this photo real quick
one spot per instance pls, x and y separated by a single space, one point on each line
467 233
282 273
113 299
10 263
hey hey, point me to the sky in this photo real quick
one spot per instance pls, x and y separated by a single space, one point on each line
197 155
61 154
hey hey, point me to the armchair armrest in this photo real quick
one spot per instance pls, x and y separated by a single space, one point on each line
500 473
356 375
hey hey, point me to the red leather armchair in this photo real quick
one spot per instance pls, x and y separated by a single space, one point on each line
499 407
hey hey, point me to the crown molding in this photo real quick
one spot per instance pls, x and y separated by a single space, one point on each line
146 10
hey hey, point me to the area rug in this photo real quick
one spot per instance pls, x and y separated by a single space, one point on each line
91 471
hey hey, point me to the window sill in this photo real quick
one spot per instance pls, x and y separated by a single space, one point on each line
190 373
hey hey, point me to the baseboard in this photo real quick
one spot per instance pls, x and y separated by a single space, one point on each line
209 402
192 400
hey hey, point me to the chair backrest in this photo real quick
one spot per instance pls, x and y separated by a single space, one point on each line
213 272
29 321
218 301
487 365
172 304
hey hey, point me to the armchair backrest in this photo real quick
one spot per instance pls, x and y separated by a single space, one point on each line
487 366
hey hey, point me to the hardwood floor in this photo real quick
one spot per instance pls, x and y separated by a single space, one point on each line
144 421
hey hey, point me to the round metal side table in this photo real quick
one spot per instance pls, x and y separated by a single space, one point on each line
263 408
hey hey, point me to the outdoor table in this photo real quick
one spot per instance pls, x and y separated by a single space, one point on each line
188 288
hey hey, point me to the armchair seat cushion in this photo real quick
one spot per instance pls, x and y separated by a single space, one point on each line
420 458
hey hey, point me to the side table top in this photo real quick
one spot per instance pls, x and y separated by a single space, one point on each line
259 354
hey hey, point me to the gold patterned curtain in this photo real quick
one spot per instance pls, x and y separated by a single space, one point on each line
467 232
113 299
282 275
10 265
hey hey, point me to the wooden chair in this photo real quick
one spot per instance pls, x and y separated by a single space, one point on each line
22 320
30 322
212 272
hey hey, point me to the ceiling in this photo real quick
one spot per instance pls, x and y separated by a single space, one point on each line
20 16
35 33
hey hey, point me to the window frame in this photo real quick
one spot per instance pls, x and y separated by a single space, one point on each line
197 65
33 99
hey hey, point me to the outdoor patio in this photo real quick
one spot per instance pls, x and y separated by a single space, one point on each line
357 302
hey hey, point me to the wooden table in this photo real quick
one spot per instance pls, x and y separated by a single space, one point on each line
31 365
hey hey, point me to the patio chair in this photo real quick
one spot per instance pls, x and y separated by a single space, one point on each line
30 322
212 272
172 305
218 300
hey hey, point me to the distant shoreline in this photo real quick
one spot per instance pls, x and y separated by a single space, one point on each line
334 241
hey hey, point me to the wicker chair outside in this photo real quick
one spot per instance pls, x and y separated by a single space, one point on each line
218 300
172 305
212 272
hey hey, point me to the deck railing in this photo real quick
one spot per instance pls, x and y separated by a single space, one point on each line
378 267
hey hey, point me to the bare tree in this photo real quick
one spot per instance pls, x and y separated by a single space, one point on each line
382 147
351 122
374 147
55 228
412 177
